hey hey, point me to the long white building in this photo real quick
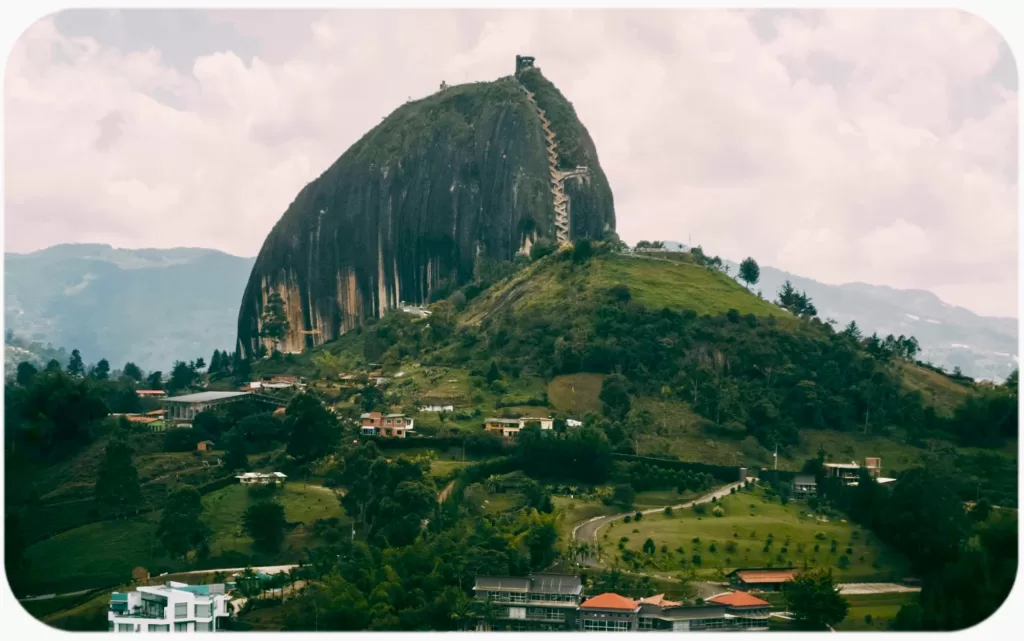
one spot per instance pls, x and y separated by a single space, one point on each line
174 607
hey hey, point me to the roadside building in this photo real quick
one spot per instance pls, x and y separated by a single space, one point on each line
386 425
173 607
763 579
534 602
803 486
507 428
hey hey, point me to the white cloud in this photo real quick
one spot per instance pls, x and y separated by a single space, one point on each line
843 145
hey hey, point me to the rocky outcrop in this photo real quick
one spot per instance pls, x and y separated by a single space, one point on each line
410 207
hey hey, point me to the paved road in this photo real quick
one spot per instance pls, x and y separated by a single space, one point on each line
443 496
588 530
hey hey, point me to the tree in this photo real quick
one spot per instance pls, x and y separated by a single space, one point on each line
102 370
132 371
314 430
265 522
181 529
75 365
492 373
200 363
117 484
25 374
624 495
182 375
649 547
235 451
750 271
53 365
274 321
614 397
814 600
155 380
852 331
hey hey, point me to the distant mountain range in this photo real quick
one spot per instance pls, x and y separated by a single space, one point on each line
149 306
981 346
155 306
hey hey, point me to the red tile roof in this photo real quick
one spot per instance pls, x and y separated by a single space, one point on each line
738 600
609 601
766 576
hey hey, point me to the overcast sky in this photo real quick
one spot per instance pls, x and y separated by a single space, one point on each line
874 146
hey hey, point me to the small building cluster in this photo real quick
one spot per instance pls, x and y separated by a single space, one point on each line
172 607
386 425
806 485
550 602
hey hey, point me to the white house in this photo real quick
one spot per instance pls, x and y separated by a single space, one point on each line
571 422
437 408
174 607
261 478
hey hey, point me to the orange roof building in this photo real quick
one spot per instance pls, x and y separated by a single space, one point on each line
610 601
739 599
761 578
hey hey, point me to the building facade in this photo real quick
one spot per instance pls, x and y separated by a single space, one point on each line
262 478
509 428
535 602
182 409
386 425
804 486
174 607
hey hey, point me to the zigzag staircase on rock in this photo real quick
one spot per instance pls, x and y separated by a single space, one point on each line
558 177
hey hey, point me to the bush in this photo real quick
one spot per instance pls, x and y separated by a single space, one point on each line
696 559
713 547
849 550
628 519
700 508
820 536
638 516
817 547
844 562
668 510
867 619
718 511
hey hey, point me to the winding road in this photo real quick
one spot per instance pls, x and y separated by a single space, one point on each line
588 530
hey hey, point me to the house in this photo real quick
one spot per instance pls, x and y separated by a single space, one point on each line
764 579
389 425
204 446
261 478
571 422
803 486
172 607
743 611
534 602
609 612
848 473
437 408
150 393
507 428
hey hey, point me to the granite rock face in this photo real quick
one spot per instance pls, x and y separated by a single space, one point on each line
465 172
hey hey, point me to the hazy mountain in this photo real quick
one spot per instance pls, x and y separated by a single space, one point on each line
150 306
950 336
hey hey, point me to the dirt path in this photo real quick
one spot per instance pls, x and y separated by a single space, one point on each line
446 492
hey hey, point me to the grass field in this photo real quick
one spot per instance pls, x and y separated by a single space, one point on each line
882 608
741 539
941 392
576 393
104 553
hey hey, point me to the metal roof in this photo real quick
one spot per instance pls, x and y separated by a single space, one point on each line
557 583
503 583
205 397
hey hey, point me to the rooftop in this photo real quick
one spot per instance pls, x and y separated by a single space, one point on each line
804 479
739 600
843 466
766 576
537 583
204 397
609 601
659 599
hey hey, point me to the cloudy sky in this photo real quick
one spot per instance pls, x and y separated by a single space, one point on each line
874 146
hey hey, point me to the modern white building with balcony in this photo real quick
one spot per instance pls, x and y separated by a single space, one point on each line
174 607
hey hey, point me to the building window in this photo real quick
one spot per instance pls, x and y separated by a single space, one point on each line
605 626
126 627
204 626
180 610
156 627
203 610
181 626
646 623
517 613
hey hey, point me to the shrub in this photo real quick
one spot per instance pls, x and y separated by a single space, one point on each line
628 519
735 535
700 508
638 516
867 619
624 539
718 511
668 510
696 559
696 540
820 536
849 550
713 547
714 499
784 550
844 562
817 547
730 547
732 490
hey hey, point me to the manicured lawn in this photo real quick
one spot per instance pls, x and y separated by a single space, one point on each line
882 608
576 393
740 537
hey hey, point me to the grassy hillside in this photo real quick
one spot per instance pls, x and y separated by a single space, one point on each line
938 391
756 532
